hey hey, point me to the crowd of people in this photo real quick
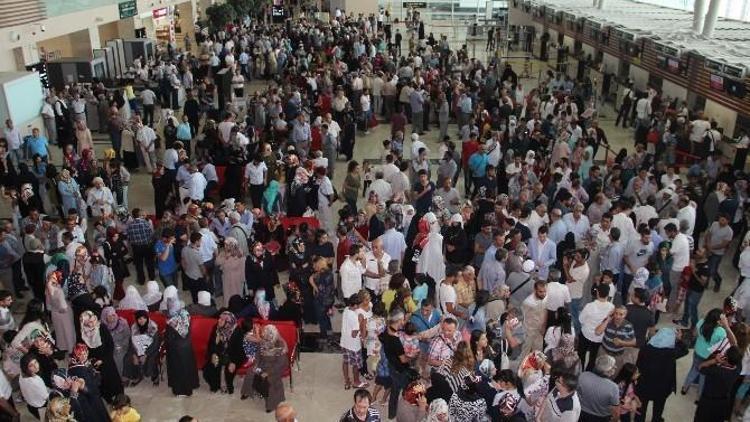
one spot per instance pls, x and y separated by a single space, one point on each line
527 288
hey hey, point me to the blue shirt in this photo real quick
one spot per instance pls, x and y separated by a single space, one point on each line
37 145
170 265
478 164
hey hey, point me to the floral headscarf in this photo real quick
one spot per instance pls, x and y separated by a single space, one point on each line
230 324
106 313
79 355
143 335
271 343
90 335
179 319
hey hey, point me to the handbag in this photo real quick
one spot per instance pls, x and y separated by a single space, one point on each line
504 359
260 384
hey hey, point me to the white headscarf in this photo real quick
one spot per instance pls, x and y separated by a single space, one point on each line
132 300
153 294
431 260
170 292
204 298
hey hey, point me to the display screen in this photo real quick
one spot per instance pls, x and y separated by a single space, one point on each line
716 82
278 14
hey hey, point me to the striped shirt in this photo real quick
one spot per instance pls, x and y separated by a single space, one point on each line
624 332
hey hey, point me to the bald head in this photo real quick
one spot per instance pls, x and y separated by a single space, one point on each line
285 413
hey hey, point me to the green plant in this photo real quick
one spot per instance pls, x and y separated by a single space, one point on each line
245 7
220 14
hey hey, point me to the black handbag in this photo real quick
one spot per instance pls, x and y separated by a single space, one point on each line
260 384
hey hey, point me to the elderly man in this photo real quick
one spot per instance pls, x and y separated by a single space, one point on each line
301 136
381 187
577 222
492 274
376 262
599 395
618 334
239 232
543 252
557 229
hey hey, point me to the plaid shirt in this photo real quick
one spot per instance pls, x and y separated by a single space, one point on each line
442 349
140 232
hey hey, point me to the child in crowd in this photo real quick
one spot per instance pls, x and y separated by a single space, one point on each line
369 176
626 380
351 345
606 277
410 340
375 326
122 410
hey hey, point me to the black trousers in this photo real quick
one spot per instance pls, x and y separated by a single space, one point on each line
256 195
148 114
195 286
212 375
587 346
18 282
623 114
143 254
657 410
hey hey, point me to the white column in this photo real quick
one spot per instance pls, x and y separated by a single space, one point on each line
94 37
711 17
600 4
699 13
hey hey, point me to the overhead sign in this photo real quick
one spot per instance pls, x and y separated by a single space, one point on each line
159 13
415 4
128 8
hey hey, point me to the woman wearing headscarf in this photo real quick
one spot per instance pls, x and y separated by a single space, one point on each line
101 348
412 404
260 271
170 292
657 363
271 363
120 332
224 354
431 260
83 136
438 412
153 296
85 168
297 197
100 198
132 300
61 313
84 367
27 199
114 255
456 241
142 358
271 198
70 192
182 373
77 285
231 260
83 405
33 262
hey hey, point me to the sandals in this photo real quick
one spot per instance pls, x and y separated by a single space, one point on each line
362 384
347 385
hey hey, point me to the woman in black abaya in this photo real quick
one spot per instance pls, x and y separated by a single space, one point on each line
182 373
101 349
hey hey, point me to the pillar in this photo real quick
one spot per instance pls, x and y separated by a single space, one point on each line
711 17
699 13
94 38
600 4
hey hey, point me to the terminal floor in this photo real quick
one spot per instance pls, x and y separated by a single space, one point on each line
318 384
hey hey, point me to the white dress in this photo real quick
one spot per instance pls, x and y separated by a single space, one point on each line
431 259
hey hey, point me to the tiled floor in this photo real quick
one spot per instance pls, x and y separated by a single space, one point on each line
318 387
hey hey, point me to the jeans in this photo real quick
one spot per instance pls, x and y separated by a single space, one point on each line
625 286
417 122
168 279
690 314
575 312
324 321
148 114
695 374
16 156
398 381
713 268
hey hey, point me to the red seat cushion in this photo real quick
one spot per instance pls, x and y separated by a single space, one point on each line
200 332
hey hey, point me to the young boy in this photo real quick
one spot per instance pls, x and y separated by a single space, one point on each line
351 343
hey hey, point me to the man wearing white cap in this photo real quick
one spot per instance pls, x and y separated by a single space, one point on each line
521 284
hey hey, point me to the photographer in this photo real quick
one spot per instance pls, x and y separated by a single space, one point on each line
576 273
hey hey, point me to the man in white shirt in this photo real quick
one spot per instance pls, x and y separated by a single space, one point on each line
393 240
256 174
593 321
389 168
15 141
381 188
148 98
558 296
48 114
537 218
196 184
698 129
351 271
400 185
680 259
376 261
146 138
225 127
576 274
686 213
